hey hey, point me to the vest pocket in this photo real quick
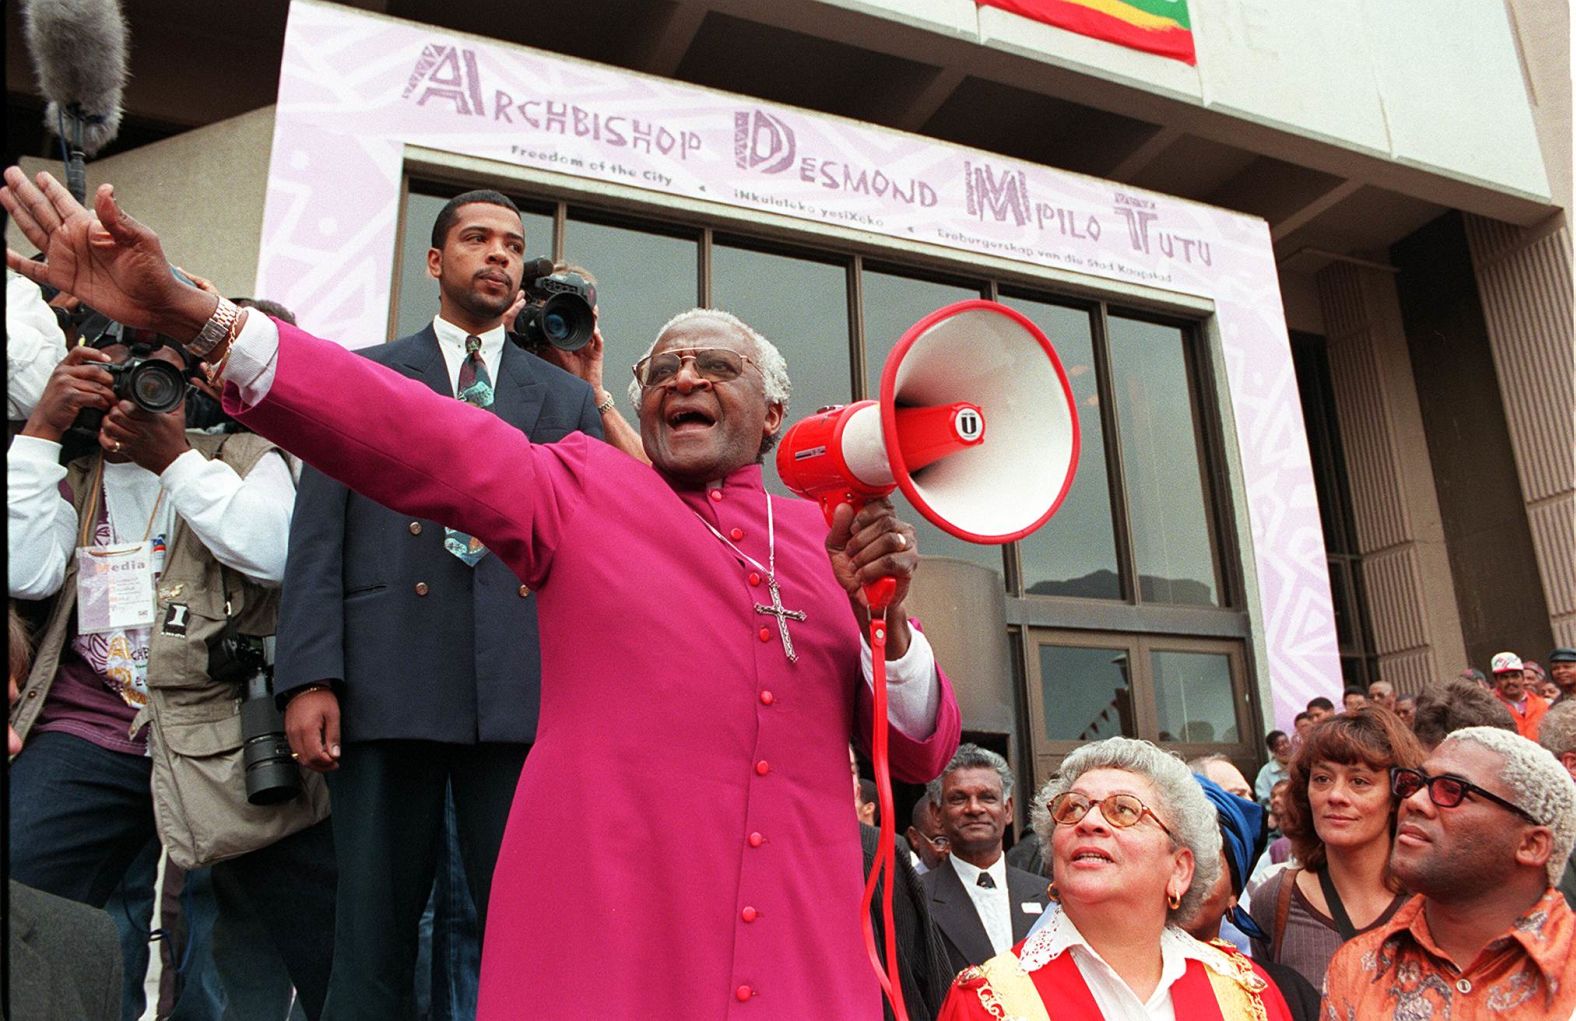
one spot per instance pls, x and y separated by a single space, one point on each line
199 785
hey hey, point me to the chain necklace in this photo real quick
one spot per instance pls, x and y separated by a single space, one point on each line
776 609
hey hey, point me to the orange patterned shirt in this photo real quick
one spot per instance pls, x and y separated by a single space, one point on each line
1396 971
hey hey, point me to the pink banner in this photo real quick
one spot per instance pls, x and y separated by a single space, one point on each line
356 88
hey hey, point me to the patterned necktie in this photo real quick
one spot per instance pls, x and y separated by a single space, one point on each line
475 387
986 881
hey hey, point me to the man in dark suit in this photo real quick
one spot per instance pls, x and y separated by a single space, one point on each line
981 905
408 659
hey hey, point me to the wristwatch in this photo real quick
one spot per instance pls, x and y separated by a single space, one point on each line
215 329
605 404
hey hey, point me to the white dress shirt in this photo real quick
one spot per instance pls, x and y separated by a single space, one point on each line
990 903
1115 998
34 345
245 523
451 341
913 685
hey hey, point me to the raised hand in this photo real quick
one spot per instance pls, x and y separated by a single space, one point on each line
150 439
585 362
78 382
105 257
868 546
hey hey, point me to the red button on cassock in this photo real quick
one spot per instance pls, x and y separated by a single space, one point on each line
715 494
766 634
742 993
756 840
737 533
749 914
755 578
762 768
767 698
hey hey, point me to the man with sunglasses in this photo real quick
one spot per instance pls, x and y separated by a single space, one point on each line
1484 829
693 626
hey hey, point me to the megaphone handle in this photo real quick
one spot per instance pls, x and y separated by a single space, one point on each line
879 593
886 842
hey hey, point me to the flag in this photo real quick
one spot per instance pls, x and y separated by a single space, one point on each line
1154 26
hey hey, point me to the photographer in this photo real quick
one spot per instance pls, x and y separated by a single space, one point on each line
196 527
584 361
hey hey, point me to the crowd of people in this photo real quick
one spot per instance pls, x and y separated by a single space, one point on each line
433 556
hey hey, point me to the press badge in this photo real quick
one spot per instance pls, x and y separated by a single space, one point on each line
114 587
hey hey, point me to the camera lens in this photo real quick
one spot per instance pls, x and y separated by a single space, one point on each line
556 327
156 386
567 321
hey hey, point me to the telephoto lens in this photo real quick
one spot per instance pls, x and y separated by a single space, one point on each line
271 774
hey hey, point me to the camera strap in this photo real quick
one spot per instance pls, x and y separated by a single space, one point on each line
90 516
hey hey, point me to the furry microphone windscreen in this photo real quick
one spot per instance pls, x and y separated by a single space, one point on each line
79 52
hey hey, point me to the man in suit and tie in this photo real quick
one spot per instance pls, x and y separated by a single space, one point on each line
981 905
408 660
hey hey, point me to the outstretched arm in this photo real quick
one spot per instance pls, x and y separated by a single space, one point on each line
383 435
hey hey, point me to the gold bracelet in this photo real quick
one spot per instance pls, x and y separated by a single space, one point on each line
216 371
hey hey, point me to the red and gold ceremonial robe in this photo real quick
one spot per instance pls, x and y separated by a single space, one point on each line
1039 980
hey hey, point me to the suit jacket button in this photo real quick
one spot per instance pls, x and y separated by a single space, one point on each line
525 590
421 588
415 528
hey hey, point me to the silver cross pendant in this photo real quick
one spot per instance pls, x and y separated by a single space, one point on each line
783 615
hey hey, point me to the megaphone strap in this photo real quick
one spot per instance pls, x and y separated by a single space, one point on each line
776 609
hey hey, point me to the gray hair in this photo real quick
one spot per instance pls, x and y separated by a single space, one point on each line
972 756
773 366
1557 729
1184 808
1538 784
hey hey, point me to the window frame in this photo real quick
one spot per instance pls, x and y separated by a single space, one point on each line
1047 754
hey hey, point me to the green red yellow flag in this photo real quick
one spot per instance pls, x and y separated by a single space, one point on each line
1154 26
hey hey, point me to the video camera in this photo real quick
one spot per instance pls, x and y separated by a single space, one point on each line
558 310
271 774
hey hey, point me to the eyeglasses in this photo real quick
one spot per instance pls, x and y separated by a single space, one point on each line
1446 791
939 842
714 364
1120 810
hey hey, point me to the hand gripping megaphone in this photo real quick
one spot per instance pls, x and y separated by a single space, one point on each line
975 422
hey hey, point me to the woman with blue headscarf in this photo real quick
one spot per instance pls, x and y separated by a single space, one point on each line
1242 839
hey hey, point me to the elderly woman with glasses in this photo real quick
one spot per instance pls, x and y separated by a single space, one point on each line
1136 848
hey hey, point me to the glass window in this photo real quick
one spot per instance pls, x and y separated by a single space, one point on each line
1074 554
892 304
1088 694
1194 701
800 306
1166 494
418 291
643 280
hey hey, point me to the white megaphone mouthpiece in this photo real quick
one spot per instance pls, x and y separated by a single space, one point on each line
975 423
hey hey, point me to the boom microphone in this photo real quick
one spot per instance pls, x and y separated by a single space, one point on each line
79 54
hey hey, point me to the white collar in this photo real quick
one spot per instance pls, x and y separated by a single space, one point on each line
970 875
1059 935
448 333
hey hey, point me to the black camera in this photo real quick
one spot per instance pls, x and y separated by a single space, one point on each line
558 311
152 384
271 774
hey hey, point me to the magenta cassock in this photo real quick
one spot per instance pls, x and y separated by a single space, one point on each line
682 843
